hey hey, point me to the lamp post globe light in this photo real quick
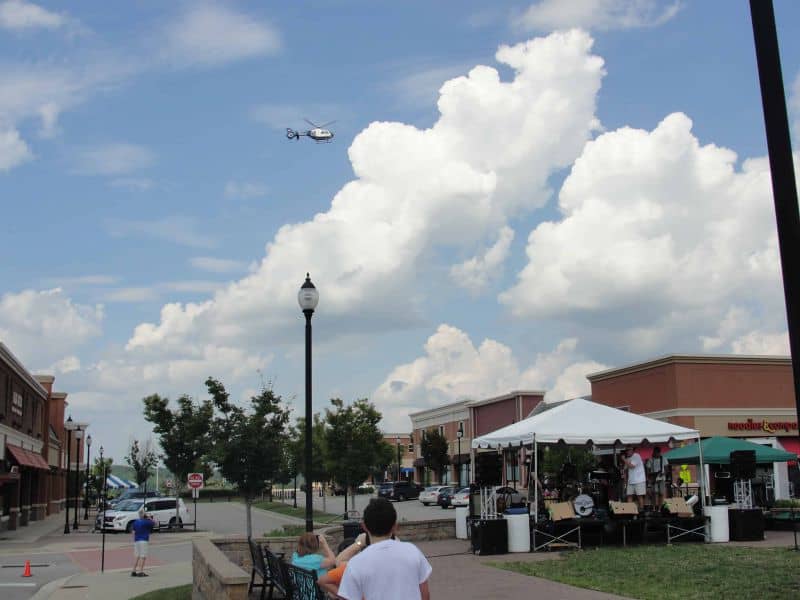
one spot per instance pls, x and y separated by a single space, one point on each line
307 298
459 435
69 425
86 481
78 437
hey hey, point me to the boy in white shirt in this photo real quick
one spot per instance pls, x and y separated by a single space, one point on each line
387 569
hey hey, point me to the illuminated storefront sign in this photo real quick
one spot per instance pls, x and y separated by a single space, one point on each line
764 425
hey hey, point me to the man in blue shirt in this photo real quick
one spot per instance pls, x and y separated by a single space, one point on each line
141 537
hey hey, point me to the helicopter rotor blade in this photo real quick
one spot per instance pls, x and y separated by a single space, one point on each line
311 123
324 125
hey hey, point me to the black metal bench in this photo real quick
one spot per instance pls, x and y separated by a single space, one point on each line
304 584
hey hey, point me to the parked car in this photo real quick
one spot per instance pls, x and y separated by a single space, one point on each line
460 498
399 490
162 510
446 496
430 495
132 494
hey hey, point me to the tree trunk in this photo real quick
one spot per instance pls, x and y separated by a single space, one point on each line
177 501
248 504
324 493
353 491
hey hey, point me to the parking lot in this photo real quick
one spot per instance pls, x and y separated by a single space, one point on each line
409 510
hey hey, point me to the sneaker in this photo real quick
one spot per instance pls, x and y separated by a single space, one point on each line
133 574
143 574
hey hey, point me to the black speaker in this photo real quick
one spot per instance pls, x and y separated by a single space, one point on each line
746 525
743 464
488 469
490 536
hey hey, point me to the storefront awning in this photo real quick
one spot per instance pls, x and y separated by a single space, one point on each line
26 458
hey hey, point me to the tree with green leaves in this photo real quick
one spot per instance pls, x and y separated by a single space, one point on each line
355 445
320 465
434 450
142 458
248 443
99 471
184 435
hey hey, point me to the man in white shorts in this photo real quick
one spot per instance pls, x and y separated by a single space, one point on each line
387 569
141 539
637 478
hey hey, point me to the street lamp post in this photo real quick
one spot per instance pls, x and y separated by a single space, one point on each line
459 435
308 297
86 483
78 437
103 518
69 425
397 441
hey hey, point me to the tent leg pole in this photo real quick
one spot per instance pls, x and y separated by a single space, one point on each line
702 476
535 482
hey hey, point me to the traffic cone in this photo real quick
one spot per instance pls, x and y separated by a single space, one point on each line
27 572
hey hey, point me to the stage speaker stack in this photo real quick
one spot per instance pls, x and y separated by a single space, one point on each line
746 525
490 536
488 469
743 464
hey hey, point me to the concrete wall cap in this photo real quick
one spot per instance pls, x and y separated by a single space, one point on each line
224 570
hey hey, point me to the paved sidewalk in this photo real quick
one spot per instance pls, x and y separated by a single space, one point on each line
117 584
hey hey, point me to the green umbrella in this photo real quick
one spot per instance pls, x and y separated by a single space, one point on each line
717 450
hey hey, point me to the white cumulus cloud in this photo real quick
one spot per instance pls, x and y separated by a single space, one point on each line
42 327
209 34
545 15
660 236
487 158
453 368
474 274
13 150
21 15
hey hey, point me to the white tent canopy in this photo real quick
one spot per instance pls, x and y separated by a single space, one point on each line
580 421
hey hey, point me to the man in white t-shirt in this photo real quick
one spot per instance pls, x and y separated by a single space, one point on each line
637 478
387 569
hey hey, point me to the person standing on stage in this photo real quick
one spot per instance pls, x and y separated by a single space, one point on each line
637 478
655 475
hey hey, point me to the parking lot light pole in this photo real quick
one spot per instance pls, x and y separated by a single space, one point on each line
69 425
78 438
459 435
86 483
103 514
308 297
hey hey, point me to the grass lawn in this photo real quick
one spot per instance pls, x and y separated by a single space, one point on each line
299 512
679 572
182 592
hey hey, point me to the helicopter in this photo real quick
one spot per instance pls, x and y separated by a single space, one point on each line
319 134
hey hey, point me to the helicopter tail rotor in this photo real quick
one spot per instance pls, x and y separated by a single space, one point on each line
292 134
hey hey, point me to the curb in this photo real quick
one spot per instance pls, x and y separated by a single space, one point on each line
50 588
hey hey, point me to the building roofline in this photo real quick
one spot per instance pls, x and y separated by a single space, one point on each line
670 359
59 395
508 396
12 361
453 406
44 378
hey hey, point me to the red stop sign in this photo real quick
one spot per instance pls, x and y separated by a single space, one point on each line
195 480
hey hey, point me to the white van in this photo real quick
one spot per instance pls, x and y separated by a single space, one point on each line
162 510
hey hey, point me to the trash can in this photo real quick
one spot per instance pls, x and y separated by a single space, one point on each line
719 529
519 531
351 529
461 522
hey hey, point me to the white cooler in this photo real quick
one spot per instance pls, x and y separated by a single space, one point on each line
461 522
519 532
718 529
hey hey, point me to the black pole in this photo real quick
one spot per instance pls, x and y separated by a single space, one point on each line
77 487
398 459
103 518
459 462
784 188
86 485
66 482
294 492
309 492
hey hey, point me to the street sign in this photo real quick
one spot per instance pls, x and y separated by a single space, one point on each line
195 493
169 484
195 481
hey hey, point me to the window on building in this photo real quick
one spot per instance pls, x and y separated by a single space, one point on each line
16 404
411 448
441 430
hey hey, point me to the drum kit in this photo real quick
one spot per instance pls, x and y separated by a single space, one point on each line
586 496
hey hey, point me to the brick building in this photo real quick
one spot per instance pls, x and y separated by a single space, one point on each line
32 445
750 397
406 444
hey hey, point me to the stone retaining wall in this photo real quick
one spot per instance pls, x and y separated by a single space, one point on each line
214 576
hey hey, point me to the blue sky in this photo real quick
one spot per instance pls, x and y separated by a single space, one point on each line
572 203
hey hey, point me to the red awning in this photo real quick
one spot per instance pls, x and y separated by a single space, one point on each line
26 458
790 445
